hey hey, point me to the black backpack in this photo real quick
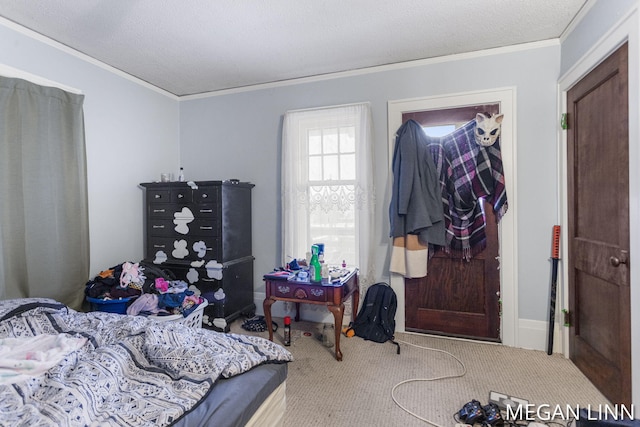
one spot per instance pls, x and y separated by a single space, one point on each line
376 319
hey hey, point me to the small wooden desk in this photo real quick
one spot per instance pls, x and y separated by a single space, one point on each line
333 295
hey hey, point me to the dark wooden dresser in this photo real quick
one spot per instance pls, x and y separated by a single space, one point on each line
202 234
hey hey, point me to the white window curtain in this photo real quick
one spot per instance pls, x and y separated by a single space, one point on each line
44 226
328 193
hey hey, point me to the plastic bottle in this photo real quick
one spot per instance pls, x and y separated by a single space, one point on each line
287 330
181 175
315 269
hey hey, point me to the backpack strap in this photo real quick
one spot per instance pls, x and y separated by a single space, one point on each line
396 343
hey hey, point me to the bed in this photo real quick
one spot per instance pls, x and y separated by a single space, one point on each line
60 367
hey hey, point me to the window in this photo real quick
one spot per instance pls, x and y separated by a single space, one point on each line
327 183
437 131
332 173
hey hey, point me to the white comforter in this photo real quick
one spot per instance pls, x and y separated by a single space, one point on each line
130 370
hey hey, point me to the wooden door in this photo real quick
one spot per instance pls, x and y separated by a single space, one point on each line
598 227
458 297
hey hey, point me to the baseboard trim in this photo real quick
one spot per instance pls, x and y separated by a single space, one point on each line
532 335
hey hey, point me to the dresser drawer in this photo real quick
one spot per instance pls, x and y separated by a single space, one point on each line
168 245
198 227
204 227
158 196
161 210
155 245
181 195
207 195
168 210
204 210
161 227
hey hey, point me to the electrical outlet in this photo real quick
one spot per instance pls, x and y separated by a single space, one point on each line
503 401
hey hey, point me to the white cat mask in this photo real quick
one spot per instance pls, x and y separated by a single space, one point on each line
487 129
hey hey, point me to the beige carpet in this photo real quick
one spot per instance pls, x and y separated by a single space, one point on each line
357 391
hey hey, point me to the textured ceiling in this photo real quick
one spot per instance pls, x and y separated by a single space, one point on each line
196 46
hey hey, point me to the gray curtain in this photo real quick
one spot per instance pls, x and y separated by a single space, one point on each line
44 226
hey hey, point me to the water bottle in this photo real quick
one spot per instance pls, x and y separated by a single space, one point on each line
315 269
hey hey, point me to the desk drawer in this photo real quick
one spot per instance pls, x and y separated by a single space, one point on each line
284 289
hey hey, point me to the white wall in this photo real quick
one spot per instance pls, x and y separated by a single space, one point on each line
131 136
238 135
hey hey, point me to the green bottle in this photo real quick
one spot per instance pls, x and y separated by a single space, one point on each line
315 269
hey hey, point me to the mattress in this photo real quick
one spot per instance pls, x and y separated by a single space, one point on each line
255 398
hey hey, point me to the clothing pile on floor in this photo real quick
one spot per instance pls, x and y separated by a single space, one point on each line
155 290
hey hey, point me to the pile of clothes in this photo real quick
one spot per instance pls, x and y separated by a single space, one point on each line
156 291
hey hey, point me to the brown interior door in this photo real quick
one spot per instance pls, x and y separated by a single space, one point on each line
458 297
598 227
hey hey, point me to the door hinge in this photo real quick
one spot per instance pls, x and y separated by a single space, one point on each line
567 317
564 121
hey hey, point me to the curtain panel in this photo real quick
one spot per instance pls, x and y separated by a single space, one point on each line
301 197
44 225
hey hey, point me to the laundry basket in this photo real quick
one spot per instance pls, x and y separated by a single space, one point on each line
193 320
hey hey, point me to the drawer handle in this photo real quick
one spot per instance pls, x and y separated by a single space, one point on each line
158 210
180 196
158 226
206 210
159 246
205 195
157 196
206 228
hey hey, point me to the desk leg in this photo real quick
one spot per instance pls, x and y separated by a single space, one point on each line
338 312
266 305
297 318
355 300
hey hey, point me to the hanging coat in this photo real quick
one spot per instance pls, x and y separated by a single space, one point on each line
416 209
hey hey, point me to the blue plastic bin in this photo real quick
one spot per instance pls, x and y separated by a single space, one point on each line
110 305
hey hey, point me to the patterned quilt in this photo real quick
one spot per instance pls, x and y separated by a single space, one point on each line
130 371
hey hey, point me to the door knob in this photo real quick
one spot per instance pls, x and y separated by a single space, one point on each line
615 261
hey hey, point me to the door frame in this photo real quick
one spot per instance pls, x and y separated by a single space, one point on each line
507 227
625 31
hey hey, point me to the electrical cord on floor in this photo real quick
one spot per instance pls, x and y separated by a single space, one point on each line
464 371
